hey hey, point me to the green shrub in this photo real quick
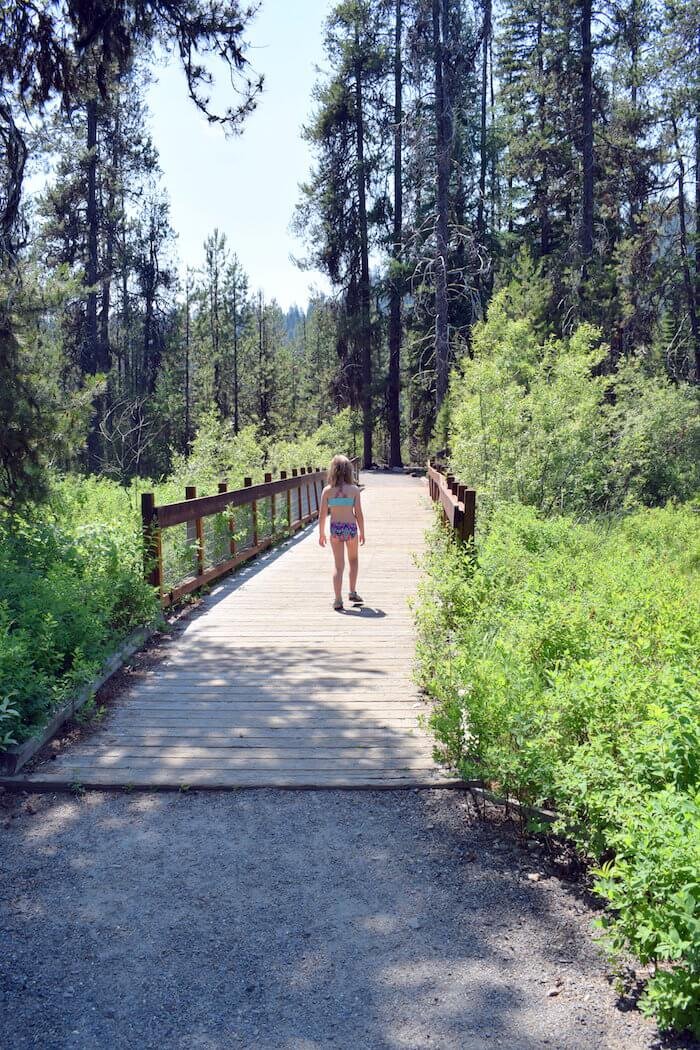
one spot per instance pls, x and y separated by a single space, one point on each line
530 419
67 597
218 453
565 662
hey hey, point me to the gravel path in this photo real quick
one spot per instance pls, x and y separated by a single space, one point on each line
292 920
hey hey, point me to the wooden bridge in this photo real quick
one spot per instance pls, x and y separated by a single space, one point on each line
265 685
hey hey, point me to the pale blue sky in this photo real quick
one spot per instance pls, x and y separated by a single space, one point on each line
247 185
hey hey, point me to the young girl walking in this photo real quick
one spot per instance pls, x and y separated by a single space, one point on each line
341 499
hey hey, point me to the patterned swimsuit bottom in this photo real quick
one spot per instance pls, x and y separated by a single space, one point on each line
343 530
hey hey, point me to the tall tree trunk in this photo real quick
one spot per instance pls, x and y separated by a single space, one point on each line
688 283
442 180
188 425
126 347
483 156
150 356
105 357
263 367
365 332
495 180
395 292
15 150
543 184
586 141
105 300
697 208
236 421
215 328
482 275
90 351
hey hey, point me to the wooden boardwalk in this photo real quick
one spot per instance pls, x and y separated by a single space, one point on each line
267 686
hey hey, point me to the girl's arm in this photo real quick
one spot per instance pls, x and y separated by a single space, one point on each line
360 517
322 515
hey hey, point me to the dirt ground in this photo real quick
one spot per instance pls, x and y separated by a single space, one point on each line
293 920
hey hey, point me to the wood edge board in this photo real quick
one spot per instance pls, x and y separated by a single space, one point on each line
20 754
63 785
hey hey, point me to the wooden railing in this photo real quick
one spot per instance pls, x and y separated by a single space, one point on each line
225 530
242 523
458 502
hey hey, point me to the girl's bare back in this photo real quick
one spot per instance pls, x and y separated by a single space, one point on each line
343 512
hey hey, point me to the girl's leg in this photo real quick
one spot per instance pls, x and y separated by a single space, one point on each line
353 549
339 558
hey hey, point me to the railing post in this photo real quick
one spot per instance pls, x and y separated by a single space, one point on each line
302 471
317 482
294 474
190 527
469 514
247 482
152 553
268 481
312 488
223 487
283 476
196 533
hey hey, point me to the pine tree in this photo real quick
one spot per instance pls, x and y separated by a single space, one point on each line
237 311
45 58
337 210
397 251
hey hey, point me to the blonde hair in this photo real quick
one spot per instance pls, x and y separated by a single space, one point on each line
340 472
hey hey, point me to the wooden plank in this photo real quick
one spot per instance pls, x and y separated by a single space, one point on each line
402 749
192 706
255 736
248 766
79 772
274 725
222 780
352 709
328 713
267 686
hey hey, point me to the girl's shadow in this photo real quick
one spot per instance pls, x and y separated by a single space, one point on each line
364 611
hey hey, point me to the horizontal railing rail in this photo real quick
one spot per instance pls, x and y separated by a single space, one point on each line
458 502
270 510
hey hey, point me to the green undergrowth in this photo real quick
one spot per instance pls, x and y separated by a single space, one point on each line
71 568
69 593
565 662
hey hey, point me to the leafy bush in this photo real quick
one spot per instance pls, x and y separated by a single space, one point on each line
530 419
218 453
67 596
565 661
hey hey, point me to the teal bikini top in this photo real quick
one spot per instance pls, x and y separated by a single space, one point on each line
341 501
